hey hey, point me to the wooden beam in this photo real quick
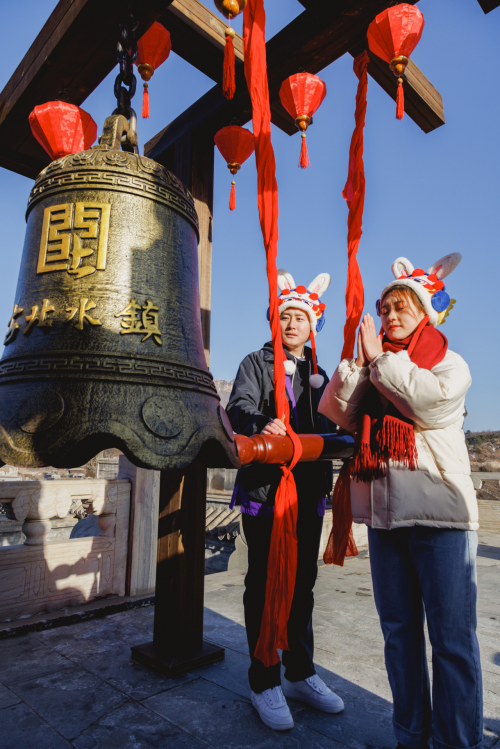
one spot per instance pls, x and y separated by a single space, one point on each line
486 5
423 103
76 49
198 36
74 52
313 40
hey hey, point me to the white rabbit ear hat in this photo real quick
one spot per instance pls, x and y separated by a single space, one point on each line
308 300
302 298
428 286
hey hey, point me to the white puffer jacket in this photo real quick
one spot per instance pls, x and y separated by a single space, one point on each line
440 493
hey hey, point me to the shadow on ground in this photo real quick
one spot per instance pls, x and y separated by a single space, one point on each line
77 686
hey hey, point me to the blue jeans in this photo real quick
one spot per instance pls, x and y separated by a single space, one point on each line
431 572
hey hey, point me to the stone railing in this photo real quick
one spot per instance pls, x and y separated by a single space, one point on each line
43 574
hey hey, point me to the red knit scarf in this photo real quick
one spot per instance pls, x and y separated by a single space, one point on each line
385 434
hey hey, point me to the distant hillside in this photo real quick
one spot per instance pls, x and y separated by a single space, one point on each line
484 450
224 388
484 453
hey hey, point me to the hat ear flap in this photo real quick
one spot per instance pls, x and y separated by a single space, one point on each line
402 267
320 284
285 280
443 267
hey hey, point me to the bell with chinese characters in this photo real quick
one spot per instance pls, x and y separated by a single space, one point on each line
104 347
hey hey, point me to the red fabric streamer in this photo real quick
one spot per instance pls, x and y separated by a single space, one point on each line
304 155
341 542
145 102
282 564
232 197
400 101
354 193
228 75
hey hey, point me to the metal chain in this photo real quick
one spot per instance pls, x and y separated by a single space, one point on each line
126 54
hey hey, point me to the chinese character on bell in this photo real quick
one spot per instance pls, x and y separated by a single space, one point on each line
141 320
67 233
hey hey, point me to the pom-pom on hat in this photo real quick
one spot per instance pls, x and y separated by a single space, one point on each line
299 297
428 286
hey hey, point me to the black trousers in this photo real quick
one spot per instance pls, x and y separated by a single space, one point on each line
298 661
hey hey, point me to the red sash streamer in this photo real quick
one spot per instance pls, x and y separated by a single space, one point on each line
354 193
282 564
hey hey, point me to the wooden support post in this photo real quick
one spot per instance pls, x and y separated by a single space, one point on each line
178 644
202 187
191 158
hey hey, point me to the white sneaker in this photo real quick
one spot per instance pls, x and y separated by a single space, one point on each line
315 692
272 708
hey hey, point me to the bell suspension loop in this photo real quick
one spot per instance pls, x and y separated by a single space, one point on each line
126 82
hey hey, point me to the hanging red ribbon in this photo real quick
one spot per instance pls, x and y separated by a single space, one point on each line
354 193
282 564
341 541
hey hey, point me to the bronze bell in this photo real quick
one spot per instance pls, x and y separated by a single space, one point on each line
104 347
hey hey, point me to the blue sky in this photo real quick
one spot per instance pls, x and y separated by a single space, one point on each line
426 195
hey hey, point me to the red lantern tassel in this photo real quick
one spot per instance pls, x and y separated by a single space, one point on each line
228 82
400 101
145 102
304 155
232 197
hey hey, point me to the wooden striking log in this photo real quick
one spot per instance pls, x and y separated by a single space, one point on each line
267 448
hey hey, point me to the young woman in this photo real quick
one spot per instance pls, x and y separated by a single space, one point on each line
251 411
410 483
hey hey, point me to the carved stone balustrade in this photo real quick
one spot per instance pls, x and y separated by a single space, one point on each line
44 575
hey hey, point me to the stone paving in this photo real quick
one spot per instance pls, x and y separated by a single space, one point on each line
76 686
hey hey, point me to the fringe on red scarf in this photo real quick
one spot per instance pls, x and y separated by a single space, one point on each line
341 542
365 464
396 442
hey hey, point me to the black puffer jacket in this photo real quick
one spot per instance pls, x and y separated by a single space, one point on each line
251 407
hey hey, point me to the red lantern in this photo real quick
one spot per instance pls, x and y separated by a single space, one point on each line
301 95
62 128
393 36
236 144
154 48
230 9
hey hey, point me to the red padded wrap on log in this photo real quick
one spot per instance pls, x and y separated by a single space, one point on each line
354 193
282 564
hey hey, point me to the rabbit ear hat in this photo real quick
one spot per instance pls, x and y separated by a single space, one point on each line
302 298
429 287
299 297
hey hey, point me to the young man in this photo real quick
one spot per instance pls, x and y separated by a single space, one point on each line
251 411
